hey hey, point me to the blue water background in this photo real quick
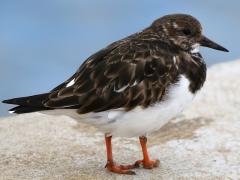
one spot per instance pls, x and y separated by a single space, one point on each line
43 42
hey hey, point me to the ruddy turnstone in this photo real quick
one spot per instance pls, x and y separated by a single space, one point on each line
133 86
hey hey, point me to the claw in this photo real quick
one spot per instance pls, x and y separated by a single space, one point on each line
120 169
147 164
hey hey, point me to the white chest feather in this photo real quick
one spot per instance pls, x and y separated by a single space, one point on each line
141 121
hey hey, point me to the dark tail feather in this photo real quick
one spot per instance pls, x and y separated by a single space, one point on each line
33 101
28 104
26 109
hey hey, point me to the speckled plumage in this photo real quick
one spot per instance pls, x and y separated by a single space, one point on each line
136 71
133 86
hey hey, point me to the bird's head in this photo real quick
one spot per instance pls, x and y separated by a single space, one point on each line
185 32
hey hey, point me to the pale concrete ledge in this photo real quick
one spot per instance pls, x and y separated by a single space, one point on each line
204 143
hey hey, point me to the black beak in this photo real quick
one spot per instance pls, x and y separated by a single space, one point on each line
208 43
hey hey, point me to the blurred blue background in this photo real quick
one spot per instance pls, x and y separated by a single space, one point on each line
43 42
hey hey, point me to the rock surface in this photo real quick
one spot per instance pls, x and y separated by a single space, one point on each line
204 143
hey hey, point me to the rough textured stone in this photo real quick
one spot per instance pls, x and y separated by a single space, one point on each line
203 143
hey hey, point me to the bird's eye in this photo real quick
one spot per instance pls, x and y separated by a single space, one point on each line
186 32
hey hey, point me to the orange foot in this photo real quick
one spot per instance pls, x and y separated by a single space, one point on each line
121 169
150 164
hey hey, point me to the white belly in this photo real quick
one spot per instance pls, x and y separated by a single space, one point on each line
140 121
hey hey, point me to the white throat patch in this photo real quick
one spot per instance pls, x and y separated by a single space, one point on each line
195 48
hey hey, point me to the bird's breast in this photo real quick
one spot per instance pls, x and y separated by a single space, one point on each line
195 70
140 121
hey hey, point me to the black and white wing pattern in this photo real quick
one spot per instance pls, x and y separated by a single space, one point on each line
125 75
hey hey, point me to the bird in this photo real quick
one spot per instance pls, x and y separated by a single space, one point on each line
132 87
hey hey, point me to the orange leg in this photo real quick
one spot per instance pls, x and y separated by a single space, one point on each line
146 162
111 166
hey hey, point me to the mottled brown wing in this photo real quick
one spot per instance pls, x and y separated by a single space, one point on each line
132 73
